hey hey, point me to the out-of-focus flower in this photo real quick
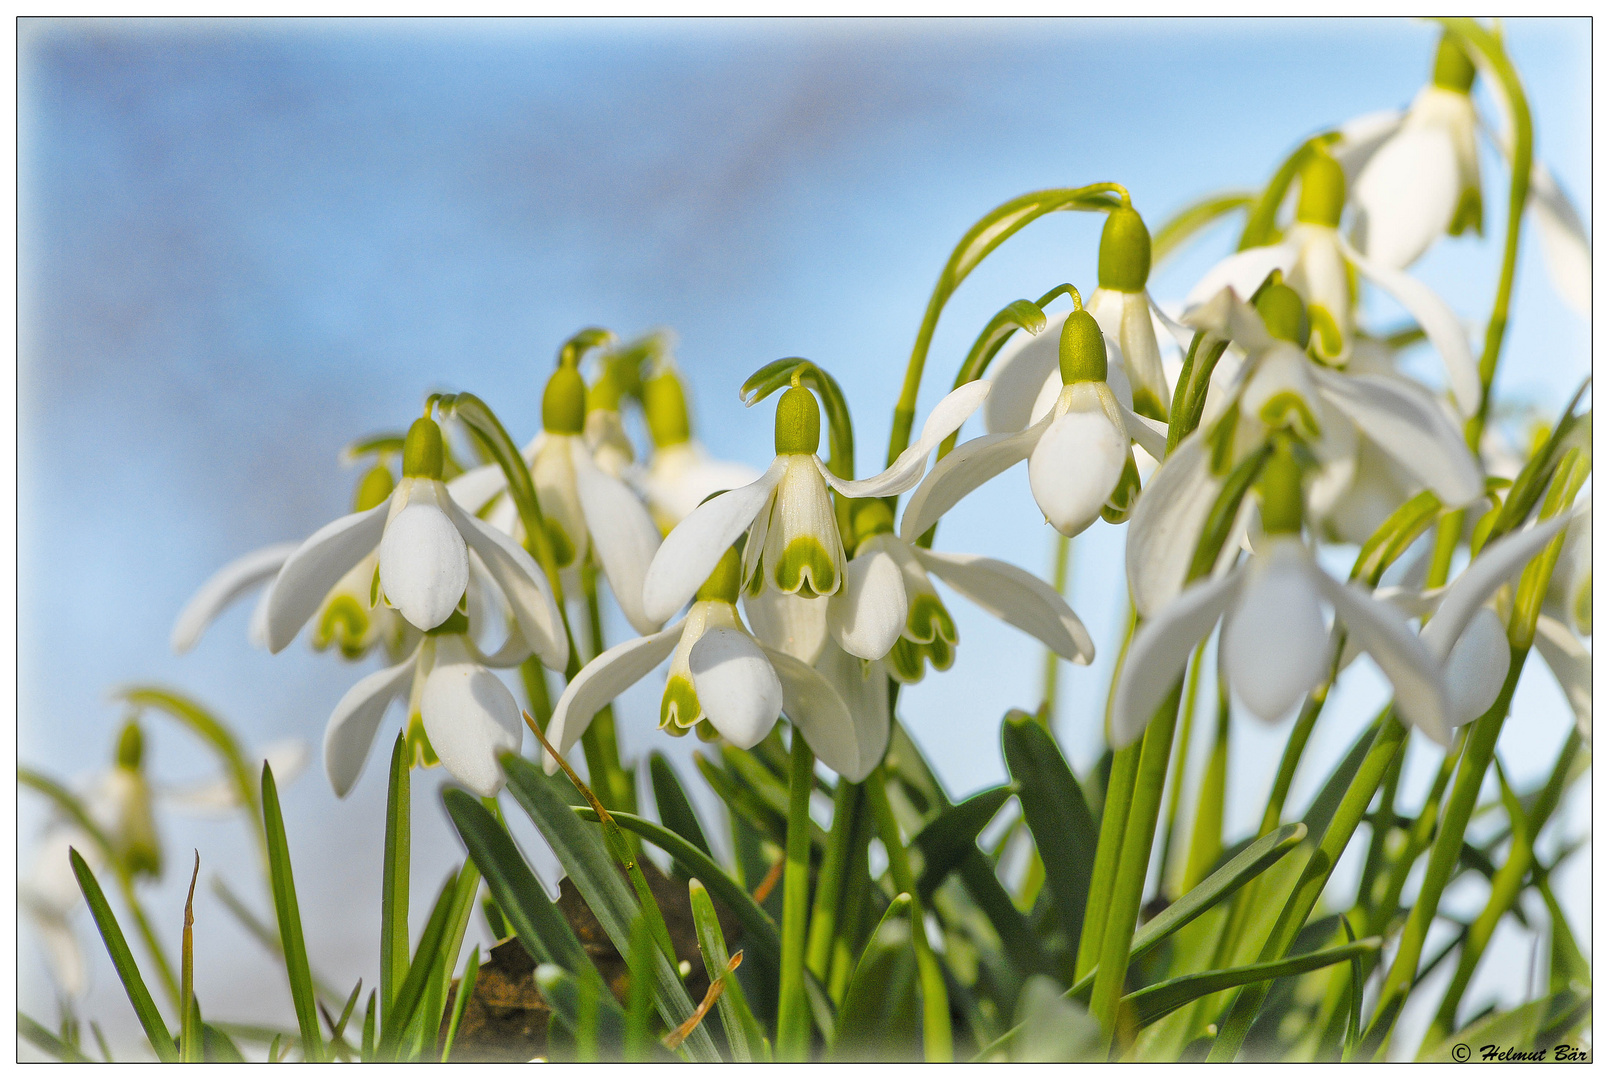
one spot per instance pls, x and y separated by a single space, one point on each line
681 474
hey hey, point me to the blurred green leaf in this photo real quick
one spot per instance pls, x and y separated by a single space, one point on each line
395 874
675 808
466 991
42 1037
156 1030
1049 1027
1057 815
945 840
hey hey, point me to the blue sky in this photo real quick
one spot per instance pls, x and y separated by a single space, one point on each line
244 244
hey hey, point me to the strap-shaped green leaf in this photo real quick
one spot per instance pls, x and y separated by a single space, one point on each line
395 1020
466 990
123 960
581 851
867 999
675 808
290 921
743 1033
394 876
1155 1002
1057 815
593 1015
945 841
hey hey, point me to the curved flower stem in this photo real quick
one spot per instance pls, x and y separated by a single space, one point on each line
992 230
1058 581
937 1044
793 1014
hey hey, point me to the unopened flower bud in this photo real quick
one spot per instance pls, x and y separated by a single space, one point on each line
665 406
1453 69
1323 190
422 450
1083 349
373 489
1284 313
564 402
1125 260
798 422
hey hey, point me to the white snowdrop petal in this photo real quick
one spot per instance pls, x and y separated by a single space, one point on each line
350 732
821 716
523 585
313 569
1074 468
1571 664
1160 649
960 471
1407 424
1407 194
736 686
864 688
1019 373
1167 519
1475 671
424 564
1243 272
224 588
623 535
1275 645
789 622
689 554
945 419
1498 562
1565 248
868 613
471 719
600 682
1421 695
1014 596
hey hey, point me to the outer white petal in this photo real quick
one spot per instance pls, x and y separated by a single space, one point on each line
55 933
1361 136
1475 671
600 682
680 476
1166 522
736 685
689 554
350 732
1571 664
1497 563
1150 435
1274 645
868 613
1407 194
864 688
1414 673
963 469
1565 246
788 622
1407 424
1441 326
820 715
1160 649
623 535
424 564
470 717
1227 314
945 419
1243 272
314 569
1019 373
477 487
1015 596
1075 466
523 585
224 588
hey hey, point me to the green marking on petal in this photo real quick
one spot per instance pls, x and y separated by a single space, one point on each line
1326 328
928 619
806 568
424 755
344 623
1287 409
905 661
1468 215
563 549
679 709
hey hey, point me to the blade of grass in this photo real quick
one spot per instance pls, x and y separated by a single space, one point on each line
640 992
369 1012
290 921
190 1048
394 879
466 990
156 1030
743 1032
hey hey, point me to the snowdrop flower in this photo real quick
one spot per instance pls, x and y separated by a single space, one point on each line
603 430
889 607
421 540
459 713
345 617
793 541
586 511
1278 388
1424 179
1079 461
1275 648
1125 311
1314 259
718 674
681 474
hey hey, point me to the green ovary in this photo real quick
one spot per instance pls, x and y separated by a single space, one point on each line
346 624
679 708
806 568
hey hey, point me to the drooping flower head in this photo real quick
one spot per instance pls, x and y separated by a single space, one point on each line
1124 310
681 474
